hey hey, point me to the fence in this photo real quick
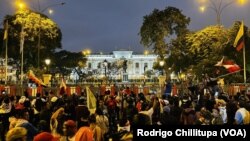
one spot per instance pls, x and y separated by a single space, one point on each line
231 89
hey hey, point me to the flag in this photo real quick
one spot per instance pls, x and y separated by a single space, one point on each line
231 66
228 64
91 100
220 63
239 40
33 78
63 85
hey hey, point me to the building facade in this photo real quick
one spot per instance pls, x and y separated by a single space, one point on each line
122 65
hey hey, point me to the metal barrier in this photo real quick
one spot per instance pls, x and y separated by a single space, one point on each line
137 88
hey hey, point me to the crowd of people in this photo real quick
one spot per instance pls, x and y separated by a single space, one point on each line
52 117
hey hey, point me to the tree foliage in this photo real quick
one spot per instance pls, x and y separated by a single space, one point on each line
160 25
206 47
196 51
202 49
66 59
34 25
180 58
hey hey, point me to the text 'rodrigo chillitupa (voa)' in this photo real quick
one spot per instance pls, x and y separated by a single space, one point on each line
190 133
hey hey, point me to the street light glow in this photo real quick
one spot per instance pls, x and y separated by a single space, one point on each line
218 6
242 2
47 61
161 63
51 11
202 8
20 5
86 52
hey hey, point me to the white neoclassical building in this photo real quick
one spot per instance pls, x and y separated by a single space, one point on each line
122 65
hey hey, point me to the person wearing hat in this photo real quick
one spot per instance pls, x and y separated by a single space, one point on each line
45 136
69 131
16 134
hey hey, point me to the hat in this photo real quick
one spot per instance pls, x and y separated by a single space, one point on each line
16 133
54 99
45 136
70 123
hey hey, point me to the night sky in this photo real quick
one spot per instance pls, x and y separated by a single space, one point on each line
107 25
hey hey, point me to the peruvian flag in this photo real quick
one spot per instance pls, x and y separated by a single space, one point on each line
229 65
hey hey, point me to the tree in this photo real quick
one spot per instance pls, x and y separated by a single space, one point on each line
69 59
206 47
179 58
33 24
160 25
66 60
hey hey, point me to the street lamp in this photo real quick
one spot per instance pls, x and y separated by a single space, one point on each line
105 63
21 6
218 6
86 52
47 62
39 30
161 65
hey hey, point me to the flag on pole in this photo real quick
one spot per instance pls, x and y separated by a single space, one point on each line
33 78
91 100
220 63
229 65
239 40
63 87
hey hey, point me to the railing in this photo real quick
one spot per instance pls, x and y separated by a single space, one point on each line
147 87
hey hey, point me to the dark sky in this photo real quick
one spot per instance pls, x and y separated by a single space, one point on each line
107 25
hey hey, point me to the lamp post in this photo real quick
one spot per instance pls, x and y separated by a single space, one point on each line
161 65
47 75
218 6
39 30
105 63
21 7
6 50
47 62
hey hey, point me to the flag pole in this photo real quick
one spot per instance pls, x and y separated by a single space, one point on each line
21 49
6 52
244 61
228 74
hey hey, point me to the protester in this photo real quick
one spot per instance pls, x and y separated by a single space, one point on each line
16 134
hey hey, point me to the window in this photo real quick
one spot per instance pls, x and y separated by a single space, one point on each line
145 66
89 65
137 65
99 65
